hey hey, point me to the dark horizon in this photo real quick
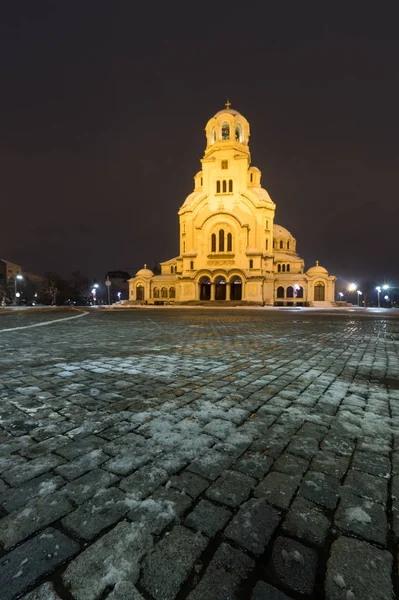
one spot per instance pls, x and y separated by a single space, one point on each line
104 108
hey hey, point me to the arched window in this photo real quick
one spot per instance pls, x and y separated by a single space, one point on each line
281 244
288 245
288 268
229 242
251 178
299 292
279 268
224 186
213 242
155 292
251 264
283 268
221 240
238 133
191 264
164 292
280 292
172 292
213 136
230 185
225 131
218 187
290 292
267 245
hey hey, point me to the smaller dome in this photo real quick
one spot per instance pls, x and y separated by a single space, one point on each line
146 273
227 111
279 231
317 270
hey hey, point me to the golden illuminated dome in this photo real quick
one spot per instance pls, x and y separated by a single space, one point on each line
227 126
144 272
281 232
317 270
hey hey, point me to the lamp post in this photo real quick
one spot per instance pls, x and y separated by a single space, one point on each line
359 293
352 287
16 294
379 289
341 295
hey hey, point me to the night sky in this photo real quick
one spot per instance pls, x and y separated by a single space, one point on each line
103 106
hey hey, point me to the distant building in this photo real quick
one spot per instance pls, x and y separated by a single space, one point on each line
119 288
230 247
8 271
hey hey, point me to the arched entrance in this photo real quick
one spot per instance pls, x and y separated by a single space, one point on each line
140 292
235 288
204 288
319 291
220 288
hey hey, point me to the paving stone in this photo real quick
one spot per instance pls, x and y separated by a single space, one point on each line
302 446
114 558
306 521
253 525
253 464
233 561
144 481
79 447
290 464
208 518
264 591
86 486
278 488
372 463
211 465
215 585
129 461
330 464
24 566
160 510
362 517
293 565
357 570
124 591
45 447
37 513
82 464
366 486
106 508
44 592
232 488
321 489
31 469
168 566
337 445
16 497
191 484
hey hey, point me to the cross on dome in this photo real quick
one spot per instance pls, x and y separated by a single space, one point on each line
228 104
317 263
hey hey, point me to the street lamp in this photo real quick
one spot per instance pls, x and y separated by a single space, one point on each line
379 289
359 293
341 295
16 294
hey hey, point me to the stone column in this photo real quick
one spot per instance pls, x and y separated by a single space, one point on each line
212 291
228 290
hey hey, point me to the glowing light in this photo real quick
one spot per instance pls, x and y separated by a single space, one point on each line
19 277
352 287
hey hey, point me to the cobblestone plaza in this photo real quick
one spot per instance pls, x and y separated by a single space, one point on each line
230 454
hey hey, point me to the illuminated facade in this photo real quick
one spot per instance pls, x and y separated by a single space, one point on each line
230 247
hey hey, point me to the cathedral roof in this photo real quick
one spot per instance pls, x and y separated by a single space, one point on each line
228 111
317 270
279 231
145 272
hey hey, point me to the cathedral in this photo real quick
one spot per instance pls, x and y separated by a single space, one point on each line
231 249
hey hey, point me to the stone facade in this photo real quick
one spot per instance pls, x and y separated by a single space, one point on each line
230 247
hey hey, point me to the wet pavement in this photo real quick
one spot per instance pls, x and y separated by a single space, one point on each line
168 454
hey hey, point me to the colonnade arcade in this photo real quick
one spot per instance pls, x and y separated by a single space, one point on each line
221 287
